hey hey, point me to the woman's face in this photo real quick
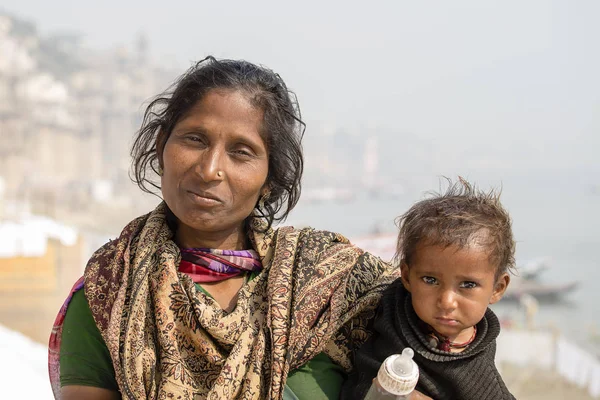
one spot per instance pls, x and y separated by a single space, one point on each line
215 165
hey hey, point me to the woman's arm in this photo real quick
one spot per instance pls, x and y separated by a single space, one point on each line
88 392
85 362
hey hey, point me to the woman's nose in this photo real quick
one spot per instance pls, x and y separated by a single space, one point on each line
209 167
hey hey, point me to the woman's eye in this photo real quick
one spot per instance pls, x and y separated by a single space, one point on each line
429 280
468 285
195 138
243 152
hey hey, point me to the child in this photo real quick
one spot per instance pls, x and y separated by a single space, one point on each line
454 251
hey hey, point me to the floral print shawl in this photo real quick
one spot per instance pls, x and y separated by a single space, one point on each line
316 293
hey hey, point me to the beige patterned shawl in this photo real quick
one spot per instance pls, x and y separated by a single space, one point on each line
168 340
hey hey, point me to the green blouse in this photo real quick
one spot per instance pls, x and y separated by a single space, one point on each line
85 360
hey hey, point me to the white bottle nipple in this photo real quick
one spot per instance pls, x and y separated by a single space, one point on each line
403 365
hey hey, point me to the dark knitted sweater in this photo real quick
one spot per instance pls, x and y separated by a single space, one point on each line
469 375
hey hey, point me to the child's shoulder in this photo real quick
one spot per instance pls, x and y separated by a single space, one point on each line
397 286
395 293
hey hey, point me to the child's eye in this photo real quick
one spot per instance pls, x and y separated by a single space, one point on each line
468 285
429 280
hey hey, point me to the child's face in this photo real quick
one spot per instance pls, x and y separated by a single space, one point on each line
452 287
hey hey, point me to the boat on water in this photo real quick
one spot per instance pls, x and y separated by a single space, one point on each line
541 291
533 269
527 282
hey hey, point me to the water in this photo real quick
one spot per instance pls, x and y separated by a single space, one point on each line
557 220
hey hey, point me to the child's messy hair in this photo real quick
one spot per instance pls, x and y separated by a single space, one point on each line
462 216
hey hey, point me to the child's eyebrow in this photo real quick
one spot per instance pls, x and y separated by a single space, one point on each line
475 277
429 273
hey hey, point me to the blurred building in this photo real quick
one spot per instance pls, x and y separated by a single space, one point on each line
67 118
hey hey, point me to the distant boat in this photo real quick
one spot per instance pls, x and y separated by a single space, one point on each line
541 291
532 269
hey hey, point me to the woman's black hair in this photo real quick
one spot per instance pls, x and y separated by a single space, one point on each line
282 128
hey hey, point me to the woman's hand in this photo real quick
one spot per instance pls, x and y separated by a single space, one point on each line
415 395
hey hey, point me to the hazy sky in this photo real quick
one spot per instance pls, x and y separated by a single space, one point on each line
502 84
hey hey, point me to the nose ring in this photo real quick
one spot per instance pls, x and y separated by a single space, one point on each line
220 174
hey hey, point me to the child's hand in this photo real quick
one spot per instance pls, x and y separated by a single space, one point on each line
415 395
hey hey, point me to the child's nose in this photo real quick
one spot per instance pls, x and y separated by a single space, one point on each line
447 300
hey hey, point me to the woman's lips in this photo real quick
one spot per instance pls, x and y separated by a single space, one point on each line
204 199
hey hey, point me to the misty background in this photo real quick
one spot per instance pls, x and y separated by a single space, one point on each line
509 87
395 94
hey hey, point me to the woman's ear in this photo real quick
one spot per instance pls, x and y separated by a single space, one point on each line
500 287
161 141
265 191
404 275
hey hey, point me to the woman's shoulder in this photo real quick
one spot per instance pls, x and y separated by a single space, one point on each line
113 246
317 236
308 231
331 250
108 249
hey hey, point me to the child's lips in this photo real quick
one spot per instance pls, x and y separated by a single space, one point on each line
446 321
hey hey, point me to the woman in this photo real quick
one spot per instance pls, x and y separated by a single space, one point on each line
200 298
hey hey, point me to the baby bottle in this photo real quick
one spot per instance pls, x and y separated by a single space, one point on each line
396 379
